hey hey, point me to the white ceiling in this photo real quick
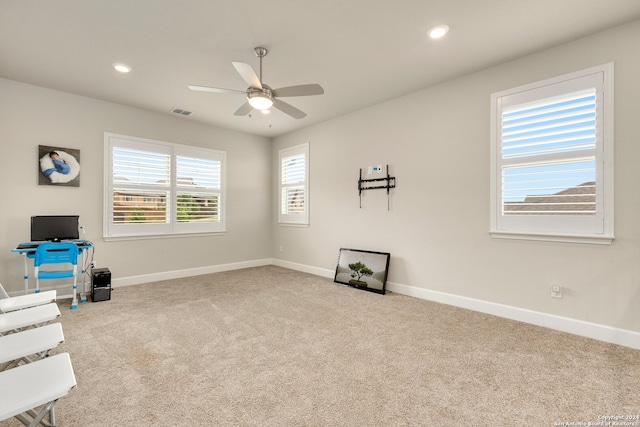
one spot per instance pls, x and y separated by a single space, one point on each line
361 51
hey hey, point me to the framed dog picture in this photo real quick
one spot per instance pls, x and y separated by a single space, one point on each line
364 270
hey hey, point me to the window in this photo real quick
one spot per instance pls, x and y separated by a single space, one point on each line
159 188
294 187
552 159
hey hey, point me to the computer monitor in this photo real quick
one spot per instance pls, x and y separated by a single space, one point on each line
54 227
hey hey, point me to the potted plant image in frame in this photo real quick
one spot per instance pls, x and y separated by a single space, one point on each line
362 269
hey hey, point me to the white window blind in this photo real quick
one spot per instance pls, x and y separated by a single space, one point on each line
293 185
140 191
552 165
198 184
158 188
556 140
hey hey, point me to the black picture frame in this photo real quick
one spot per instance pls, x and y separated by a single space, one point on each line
366 270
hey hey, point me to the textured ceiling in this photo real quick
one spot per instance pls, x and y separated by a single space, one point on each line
361 51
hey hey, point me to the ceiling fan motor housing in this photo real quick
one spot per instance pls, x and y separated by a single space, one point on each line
260 99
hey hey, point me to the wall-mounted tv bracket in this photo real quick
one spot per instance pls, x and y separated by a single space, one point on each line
362 185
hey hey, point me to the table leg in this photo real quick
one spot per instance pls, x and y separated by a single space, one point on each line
74 301
26 273
83 291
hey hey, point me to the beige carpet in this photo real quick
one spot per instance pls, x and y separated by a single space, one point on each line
269 346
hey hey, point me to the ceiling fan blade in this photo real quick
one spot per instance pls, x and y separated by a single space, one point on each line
243 110
289 109
214 89
300 90
247 73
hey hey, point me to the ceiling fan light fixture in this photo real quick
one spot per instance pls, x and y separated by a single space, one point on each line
260 100
438 31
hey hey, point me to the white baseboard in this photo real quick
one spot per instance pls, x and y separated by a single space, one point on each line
323 272
596 331
178 274
64 291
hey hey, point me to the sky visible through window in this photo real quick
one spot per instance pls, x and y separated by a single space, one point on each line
547 145
293 169
151 168
200 173
520 182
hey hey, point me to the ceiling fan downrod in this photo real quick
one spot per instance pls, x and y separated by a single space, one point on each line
261 52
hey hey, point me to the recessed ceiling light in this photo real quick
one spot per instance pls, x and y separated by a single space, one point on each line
122 68
438 31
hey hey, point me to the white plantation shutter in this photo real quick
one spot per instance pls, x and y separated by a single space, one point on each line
157 188
141 184
294 185
549 156
198 185
552 157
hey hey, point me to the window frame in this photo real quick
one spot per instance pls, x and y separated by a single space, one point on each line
597 229
113 231
294 219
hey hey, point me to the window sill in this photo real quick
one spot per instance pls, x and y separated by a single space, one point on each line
160 236
292 224
594 240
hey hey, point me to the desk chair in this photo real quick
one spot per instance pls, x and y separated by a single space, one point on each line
37 343
57 254
15 321
8 303
27 387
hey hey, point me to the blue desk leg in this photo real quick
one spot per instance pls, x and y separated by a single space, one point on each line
74 301
26 273
83 292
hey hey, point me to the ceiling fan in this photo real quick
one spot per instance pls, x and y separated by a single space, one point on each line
259 95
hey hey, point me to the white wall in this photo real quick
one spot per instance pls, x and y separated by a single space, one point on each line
32 116
436 142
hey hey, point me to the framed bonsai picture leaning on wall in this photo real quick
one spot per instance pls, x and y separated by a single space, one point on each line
58 166
365 270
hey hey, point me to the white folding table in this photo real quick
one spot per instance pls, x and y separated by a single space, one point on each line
37 341
33 316
24 301
27 387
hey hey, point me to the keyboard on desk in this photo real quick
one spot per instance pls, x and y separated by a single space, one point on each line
34 245
28 245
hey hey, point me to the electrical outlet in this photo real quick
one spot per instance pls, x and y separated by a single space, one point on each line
370 170
556 291
281 248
